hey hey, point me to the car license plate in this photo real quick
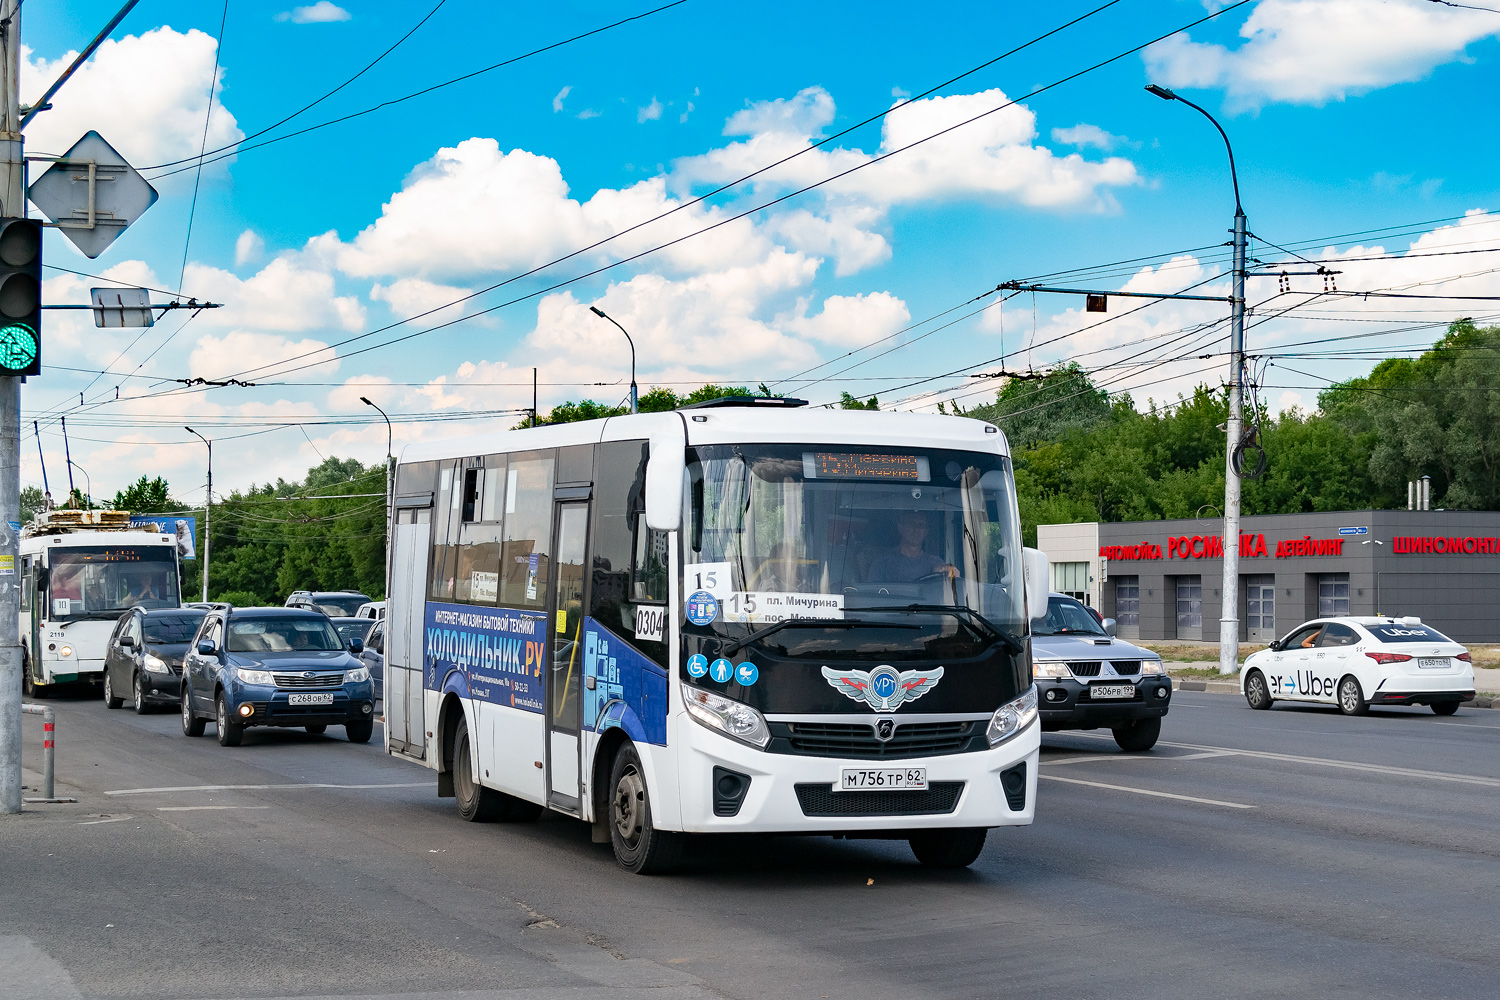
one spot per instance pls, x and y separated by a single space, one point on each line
319 698
856 779
1433 663
1104 691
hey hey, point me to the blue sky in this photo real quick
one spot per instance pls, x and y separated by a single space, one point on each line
1347 116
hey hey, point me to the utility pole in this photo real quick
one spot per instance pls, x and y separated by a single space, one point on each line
208 502
1229 621
13 205
390 496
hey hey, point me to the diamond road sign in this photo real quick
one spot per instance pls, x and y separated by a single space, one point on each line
92 194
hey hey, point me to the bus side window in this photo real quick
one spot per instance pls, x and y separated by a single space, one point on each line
619 529
525 565
478 578
26 584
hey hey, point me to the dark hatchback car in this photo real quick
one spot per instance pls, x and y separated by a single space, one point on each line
275 667
350 629
144 656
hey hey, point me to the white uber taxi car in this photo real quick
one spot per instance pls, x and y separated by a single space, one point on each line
1358 662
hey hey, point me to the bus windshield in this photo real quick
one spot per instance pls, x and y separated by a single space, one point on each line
862 533
103 581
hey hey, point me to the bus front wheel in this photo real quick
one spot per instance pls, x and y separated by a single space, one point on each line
640 848
948 848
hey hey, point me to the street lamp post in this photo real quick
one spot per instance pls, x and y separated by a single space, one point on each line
88 485
1229 624
634 399
208 502
390 493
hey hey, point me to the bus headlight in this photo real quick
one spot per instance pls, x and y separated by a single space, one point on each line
728 717
1012 717
357 675
255 676
1050 668
65 651
155 664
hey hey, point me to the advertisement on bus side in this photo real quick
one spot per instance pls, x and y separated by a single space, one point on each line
500 652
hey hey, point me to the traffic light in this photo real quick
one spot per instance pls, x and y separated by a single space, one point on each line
20 297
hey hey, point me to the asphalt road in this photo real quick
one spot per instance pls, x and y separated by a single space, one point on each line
1290 853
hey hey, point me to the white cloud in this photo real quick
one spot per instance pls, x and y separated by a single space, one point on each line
413 296
217 356
588 113
682 118
851 320
1083 136
562 95
843 235
248 248
322 12
1316 51
284 296
802 116
649 113
147 95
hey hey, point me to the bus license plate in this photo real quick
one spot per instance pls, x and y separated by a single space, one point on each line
1432 663
321 698
1100 691
857 779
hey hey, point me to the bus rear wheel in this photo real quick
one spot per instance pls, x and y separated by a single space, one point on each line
640 848
948 848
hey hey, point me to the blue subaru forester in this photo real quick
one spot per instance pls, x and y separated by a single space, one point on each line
274 667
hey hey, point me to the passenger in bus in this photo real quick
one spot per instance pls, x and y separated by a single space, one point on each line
140 590
909 561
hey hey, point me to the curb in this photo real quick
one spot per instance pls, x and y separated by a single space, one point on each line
1233 687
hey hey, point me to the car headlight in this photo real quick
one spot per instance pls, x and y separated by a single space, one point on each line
1050 668
357 675
155 664
255 676
727 716
1152 667
65 651
1012 717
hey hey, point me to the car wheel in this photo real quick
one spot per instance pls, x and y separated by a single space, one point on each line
1138 736
476 803
141 708
640 848
359 732
1445 707
191 724
110 701
948 848
1256 691
230 733
1352 697
317 730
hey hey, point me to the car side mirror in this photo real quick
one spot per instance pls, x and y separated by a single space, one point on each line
1274 644
206 647
380 645
1109 627
127 642
356 646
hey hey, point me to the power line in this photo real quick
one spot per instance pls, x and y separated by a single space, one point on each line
213 86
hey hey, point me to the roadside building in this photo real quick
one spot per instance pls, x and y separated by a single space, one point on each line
1163 579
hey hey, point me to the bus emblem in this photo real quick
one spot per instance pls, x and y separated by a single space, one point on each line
884 729
885 688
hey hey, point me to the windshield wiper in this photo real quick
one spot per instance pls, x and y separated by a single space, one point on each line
96 616
760 634
1010 642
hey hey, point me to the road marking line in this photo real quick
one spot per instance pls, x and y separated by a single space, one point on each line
1124 756
183 809
257 788
1348 765
1466 725
1147 791
96 822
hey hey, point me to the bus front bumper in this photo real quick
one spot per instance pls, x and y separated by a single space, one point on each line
793 793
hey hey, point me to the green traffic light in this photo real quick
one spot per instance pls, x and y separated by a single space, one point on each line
18 344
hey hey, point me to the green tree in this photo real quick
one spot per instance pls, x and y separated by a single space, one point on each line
145 497
1046 408
848 402
32 501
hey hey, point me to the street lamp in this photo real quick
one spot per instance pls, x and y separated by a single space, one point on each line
208 502
1229 624
634 400
88 484
390 509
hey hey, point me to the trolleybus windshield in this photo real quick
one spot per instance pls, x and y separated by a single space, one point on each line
103 581
855 535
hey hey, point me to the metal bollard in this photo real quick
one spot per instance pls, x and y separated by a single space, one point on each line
49 729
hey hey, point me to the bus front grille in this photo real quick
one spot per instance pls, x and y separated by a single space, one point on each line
840 739
821 800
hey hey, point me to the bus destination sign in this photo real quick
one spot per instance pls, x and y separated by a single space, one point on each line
857 465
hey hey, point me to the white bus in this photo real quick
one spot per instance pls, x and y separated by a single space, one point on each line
740 617
80 570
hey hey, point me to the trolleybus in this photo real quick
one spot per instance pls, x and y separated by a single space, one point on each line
742 616
81 570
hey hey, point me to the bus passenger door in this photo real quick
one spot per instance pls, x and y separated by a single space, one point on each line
564 706
405 661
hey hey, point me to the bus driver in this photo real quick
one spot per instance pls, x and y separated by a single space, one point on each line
908 562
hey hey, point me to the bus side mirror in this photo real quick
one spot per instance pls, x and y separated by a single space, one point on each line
1038 573
665 471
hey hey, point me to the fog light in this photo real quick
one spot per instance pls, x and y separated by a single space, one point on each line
247 710
1161 692
369 708
1056 694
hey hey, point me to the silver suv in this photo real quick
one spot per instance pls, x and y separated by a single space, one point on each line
1088 679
